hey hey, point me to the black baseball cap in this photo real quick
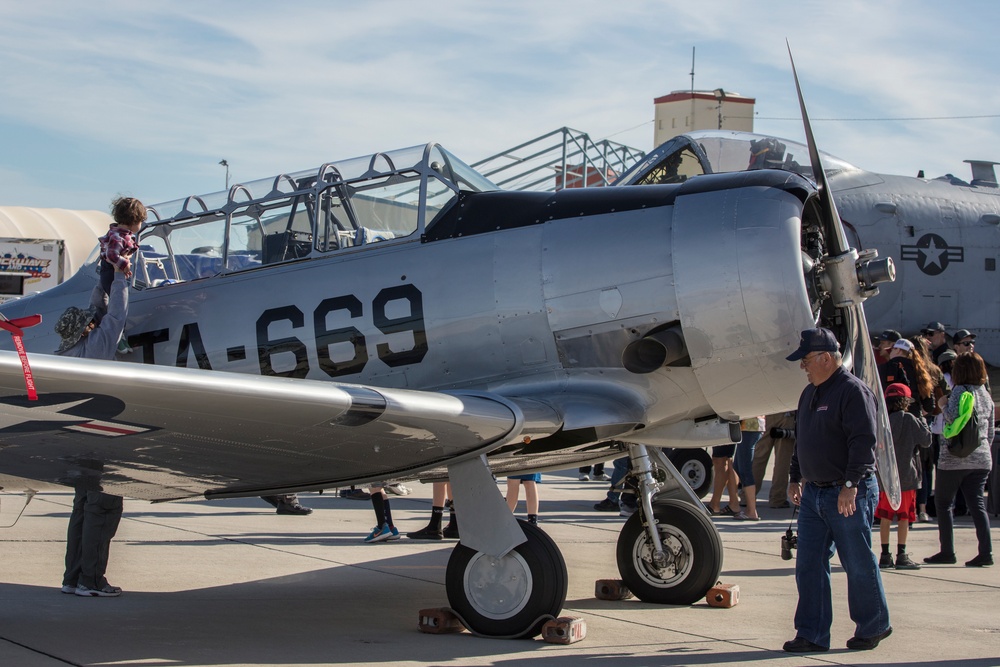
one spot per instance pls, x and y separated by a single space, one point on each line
815 340
961 334
890 335
933 327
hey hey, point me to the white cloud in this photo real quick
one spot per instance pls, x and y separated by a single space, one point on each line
285 87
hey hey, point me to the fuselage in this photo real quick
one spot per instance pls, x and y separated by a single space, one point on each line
531 295
944 239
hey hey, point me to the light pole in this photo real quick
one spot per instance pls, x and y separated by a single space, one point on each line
225 164
720 95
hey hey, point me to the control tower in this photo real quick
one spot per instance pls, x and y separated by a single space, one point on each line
686 111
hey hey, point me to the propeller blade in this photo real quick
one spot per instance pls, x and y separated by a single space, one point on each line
837 237
858 353
866 368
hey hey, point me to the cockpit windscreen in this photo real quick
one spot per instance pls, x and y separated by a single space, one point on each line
714 151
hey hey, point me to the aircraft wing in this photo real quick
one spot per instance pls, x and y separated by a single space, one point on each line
161 433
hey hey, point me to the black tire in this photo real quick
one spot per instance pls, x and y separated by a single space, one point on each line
695 466
534 585
694 553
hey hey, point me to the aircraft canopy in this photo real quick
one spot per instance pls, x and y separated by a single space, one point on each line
717 151
385 197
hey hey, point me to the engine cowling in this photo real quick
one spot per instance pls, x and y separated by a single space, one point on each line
740 287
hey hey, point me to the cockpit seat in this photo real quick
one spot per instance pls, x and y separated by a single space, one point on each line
368 235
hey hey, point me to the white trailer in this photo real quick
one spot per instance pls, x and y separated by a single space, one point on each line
40 248
30 265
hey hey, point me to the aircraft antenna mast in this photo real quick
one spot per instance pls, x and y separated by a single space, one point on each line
692 87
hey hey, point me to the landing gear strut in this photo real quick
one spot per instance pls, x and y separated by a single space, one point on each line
668 552
691 557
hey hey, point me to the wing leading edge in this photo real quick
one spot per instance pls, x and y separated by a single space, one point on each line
160 433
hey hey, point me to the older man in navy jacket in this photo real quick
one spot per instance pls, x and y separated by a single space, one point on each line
832 480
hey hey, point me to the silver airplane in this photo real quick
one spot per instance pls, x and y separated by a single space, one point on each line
397 317
942 232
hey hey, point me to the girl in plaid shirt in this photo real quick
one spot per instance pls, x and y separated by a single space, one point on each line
120 243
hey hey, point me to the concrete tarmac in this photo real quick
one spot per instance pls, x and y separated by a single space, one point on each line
232 583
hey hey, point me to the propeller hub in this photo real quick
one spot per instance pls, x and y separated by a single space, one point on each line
842 273
873 271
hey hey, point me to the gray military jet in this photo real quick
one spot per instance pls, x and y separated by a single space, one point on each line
397 317
942 232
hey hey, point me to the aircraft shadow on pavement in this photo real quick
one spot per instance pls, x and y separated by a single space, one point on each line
331 616
340 615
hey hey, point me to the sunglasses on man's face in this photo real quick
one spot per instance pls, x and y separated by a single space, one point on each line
967 343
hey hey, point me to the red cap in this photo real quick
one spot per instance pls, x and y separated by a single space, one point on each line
897 389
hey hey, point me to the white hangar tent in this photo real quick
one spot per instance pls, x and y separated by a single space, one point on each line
77 229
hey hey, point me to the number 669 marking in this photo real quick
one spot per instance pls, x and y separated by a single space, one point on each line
325 338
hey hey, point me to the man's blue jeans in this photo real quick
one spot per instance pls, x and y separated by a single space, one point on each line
621 470
821 529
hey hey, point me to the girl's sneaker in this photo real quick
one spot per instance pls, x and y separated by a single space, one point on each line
379 534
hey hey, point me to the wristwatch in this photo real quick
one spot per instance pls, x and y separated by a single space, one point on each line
849 484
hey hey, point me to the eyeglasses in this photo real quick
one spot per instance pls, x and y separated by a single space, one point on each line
967 343
806 360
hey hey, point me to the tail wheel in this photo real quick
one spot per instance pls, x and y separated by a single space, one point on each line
692 548
509 596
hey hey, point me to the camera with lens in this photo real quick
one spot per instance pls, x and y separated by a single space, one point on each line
789 541
779 433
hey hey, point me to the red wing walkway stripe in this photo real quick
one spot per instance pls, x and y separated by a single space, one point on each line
107 428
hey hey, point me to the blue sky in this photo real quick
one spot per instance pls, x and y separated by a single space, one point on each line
113 97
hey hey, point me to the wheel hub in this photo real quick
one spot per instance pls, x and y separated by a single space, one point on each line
676 562
694 473
498 587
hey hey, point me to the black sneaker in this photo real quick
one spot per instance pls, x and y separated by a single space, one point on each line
980 561
904 562
106 591
355 494
606 505
803 645
885 562
293 508
451 531
426 533
941 559
867 643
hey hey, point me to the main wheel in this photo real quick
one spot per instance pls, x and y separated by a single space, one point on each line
695 466
505 597
693 552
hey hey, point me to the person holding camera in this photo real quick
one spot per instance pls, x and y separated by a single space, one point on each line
832 480
779 438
